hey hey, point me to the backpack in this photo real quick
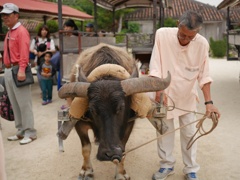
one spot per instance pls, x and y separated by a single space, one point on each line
6 110
48 42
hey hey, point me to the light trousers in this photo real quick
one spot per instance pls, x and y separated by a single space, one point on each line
21 100
166 144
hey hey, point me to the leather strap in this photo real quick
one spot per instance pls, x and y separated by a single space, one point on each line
8 49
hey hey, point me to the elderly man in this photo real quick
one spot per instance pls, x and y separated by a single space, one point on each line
184 53
16 53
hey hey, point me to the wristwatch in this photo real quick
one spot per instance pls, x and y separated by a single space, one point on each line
208 102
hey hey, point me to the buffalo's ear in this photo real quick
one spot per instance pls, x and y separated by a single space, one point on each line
81 75
135 72
145 84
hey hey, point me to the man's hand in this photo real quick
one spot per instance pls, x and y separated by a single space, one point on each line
210 108
158 97
21 76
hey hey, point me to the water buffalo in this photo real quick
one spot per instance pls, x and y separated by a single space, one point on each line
109 111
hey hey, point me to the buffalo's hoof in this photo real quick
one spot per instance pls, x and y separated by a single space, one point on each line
85 178
86 175
122 177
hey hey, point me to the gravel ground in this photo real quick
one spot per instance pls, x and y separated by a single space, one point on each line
218 152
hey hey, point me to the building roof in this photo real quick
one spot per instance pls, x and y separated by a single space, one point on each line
29 24
37 9
121 4
228 3
234 10
176 8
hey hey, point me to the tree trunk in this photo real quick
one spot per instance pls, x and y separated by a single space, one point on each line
120 23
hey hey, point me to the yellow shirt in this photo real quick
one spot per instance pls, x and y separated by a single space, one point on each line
187 65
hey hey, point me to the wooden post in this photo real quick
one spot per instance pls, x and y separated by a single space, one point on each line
95 17
154 17
114 29
60 36
228 28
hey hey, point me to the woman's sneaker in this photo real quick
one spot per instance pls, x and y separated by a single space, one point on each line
163 173
191 176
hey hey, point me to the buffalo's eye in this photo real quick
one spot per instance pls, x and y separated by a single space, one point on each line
120 108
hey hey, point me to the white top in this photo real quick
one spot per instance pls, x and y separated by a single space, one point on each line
187 65
42 41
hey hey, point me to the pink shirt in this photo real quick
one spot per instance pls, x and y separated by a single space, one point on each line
187 65
19 41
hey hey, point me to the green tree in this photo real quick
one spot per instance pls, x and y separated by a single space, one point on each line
104 17
52 25
218 47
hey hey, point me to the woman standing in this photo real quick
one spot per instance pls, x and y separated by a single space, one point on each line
43 37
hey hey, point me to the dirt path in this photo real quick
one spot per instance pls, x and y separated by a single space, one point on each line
218 153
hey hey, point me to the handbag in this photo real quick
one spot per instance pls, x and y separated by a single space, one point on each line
6 110
29 76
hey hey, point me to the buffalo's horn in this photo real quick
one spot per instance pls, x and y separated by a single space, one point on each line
145 84
74 89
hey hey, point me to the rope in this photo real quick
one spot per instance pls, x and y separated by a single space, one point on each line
199 127
158 137
201 130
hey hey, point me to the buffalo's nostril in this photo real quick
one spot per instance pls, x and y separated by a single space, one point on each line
116 158
108 154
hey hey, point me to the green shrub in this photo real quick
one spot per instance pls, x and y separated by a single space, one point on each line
52 25
120 37
218 47
169 22
133 27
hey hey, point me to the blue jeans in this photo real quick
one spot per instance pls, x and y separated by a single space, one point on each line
47 87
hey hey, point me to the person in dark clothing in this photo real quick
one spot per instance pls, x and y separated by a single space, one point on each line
70 26
40 59
55 60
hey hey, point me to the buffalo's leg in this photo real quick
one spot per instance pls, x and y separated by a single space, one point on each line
86 172
120 171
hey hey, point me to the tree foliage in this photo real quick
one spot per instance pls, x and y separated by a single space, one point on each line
104 17
52 25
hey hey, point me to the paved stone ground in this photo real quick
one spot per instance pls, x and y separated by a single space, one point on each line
218 153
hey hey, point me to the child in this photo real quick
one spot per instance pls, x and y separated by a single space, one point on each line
47 71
